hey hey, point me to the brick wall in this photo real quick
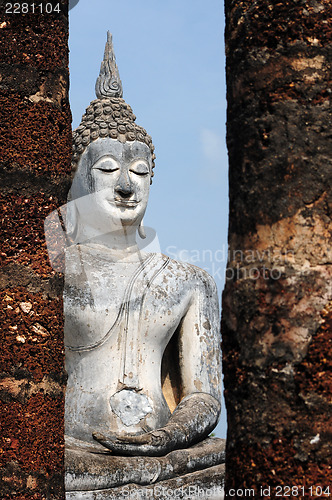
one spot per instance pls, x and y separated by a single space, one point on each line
277 302
35 145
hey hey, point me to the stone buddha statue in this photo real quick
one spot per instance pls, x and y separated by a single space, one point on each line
141 330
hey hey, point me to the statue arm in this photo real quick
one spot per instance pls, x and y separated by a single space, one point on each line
200 366
200 341
192 421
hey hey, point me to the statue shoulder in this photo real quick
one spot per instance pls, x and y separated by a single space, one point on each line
193 275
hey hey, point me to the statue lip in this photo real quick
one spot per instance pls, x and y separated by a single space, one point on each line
123 203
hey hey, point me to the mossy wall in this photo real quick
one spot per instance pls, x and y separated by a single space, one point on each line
277 338
35 157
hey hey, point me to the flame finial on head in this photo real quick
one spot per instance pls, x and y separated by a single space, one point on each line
108 83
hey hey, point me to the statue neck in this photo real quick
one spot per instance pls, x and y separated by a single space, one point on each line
121 240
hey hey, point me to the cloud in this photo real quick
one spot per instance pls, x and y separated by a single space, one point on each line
214 154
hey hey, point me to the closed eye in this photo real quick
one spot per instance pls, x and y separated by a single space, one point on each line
106 165
104 169
140 168
139 173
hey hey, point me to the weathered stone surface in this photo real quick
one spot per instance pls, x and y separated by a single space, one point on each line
277 300
35 146
110 471
200 484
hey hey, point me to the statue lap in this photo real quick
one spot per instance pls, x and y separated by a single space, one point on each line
187 473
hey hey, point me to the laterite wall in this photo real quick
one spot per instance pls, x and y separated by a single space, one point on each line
35 150
277 309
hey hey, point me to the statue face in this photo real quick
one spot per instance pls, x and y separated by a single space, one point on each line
111 185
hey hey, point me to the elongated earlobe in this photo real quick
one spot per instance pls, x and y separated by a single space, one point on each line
71 218
141 231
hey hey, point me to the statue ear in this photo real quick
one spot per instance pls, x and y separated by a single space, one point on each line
56 240
61 230
141 231
70 215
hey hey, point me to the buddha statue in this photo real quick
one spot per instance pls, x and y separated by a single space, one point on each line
141 330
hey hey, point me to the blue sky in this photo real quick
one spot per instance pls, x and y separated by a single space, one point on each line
170 56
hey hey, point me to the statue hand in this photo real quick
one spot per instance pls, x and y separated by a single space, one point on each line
192 420
154 443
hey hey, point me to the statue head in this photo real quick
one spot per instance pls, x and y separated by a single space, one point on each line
112 155
108 115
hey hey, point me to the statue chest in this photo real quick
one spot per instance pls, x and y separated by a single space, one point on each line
122 306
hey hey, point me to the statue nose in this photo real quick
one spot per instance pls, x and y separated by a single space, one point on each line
124 187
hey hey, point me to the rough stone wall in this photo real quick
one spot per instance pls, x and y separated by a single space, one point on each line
35 154
277 310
